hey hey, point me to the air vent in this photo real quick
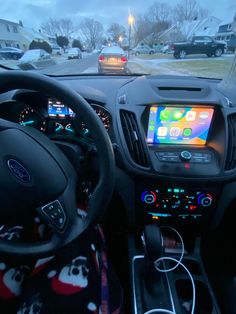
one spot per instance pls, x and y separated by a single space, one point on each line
231 153
133 138
188 89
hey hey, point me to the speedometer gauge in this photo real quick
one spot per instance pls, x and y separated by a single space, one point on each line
31 117
104 116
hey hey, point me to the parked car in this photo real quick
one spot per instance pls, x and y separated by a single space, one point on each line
112 59
96 51
56 50
35 58
74 53
168 48
199 45
11 53
143 50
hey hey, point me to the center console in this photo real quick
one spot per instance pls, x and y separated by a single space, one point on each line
184 146
185 150
173 290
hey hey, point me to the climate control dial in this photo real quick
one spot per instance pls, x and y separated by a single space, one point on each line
205 200
149 197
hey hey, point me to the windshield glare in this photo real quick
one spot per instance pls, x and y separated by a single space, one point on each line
179 37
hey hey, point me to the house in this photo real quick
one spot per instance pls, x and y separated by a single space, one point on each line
225 31
10 34
29 34
188 29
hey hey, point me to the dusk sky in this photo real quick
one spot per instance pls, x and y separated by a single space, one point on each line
33 13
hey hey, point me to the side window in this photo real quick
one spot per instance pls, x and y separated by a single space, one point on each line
207 39
198 40
8 28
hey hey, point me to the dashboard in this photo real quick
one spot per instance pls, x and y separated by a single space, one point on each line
173 139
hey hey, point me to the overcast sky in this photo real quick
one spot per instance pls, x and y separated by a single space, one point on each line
33 13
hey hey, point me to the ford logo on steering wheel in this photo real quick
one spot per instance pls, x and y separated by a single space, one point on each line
18 170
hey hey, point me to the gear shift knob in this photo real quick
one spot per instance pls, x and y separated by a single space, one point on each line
153 242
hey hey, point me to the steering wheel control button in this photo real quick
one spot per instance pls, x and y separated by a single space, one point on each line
185 155
55 213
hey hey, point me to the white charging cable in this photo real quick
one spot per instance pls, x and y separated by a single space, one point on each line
178 262
181 256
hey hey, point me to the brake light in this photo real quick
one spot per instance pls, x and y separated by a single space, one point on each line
123 59
101 58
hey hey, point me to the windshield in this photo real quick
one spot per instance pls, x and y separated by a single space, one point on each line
179 37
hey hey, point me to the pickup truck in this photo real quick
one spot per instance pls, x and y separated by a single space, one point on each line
199 45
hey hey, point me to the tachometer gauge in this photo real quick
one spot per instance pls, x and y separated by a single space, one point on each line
104 116
31 117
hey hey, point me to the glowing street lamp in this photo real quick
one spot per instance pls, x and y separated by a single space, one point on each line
131 23
131 20
120 39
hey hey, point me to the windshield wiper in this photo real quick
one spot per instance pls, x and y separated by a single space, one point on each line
98 74
5 67
208 78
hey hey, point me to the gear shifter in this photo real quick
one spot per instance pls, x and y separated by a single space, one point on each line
153 243
151 288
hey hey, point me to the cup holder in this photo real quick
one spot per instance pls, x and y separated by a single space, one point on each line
204 303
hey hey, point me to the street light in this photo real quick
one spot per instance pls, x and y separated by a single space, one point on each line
131 23
120 39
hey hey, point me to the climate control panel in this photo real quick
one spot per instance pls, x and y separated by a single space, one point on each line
176 202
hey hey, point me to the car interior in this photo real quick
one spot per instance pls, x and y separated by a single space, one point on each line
165 200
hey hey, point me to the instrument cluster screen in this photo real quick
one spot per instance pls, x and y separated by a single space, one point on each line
179 125
58 110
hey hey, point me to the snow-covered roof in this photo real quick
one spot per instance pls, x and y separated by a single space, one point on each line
228 19
208 27
31 34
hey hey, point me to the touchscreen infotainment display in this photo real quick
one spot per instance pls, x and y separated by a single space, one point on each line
179 125
58 109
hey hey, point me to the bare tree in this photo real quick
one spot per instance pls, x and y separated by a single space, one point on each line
116 31
159 12
50 27
67 27
151 24
142 29
189 10
93 31
59 27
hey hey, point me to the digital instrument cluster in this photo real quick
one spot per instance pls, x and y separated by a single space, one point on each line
59 119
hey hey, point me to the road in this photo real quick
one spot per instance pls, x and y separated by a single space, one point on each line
87 64
154 64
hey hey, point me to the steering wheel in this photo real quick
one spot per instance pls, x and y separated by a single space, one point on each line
35 174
